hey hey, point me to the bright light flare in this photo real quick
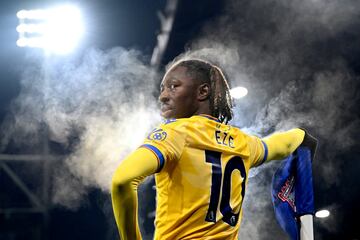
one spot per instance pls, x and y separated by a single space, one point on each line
322 213
32 14
31 28
57 30
238 92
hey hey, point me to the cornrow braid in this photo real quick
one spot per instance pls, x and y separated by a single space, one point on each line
220 98
222 101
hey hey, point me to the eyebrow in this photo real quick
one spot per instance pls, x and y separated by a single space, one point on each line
174 78
169 79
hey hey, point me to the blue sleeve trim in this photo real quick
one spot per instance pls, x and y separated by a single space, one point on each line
266 152
158 153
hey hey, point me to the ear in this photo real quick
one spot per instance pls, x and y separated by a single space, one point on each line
203 91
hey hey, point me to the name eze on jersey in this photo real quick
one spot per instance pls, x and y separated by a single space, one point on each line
224 138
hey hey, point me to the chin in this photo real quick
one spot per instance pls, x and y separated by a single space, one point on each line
167 114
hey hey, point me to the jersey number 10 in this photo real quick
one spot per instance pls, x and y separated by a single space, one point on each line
234 163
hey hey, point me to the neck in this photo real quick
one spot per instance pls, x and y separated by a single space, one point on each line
204 109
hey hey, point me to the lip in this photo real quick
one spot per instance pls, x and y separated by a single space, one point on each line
165 110
165 107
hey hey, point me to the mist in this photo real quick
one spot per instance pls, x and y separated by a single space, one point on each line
289 55
98 106
293 59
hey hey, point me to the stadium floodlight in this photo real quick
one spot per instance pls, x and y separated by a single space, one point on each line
238 92
57 30
322 213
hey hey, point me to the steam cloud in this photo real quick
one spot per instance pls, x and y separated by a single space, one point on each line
99 99
284 52
290 55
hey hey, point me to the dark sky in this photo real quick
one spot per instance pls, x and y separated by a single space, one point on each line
279 43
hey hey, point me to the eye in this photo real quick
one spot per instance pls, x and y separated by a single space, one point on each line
172 87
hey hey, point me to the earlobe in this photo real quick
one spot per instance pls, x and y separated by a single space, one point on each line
204 92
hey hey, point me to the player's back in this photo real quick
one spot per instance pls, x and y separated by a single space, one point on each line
201 186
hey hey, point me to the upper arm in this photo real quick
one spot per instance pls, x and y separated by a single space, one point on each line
141 163
258 151
166 143
161 146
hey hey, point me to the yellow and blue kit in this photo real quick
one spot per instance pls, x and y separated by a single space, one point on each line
201 170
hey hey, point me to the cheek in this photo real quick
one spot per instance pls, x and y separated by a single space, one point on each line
186 96
186 101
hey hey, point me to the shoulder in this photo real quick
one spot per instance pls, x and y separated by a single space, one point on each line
246 132
174 124
234 130
168 127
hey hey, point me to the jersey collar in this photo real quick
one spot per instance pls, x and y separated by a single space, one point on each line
209 117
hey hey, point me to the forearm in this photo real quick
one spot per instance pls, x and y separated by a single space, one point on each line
126 178
124 201
281 145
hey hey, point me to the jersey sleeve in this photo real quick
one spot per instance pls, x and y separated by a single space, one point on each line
258 151
130 172
282 144
166 142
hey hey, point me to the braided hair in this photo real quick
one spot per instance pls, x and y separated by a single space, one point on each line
220 99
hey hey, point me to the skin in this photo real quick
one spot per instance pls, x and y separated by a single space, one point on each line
182 96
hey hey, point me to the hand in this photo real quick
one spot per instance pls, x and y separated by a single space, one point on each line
310 142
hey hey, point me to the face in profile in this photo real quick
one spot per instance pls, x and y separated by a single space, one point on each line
178 94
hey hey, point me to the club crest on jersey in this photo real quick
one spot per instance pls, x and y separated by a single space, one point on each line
157 134
286 193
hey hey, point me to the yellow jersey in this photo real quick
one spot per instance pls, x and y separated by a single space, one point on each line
202 177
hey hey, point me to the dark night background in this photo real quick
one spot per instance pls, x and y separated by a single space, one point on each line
310 47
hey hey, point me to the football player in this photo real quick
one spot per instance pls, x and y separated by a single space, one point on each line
200 162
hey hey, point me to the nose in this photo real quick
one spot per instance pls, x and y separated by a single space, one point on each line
164 96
